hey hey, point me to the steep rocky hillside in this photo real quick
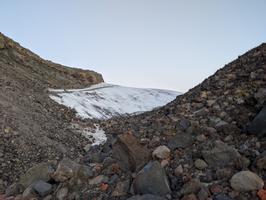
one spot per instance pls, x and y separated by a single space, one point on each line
34 128
23 65
207 135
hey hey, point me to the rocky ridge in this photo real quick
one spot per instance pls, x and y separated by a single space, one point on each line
33 128
207 144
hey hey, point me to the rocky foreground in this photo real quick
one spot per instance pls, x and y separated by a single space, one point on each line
208 144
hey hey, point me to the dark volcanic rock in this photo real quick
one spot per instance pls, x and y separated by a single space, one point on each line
258 125
221 155
180 140
130 153
260 96
42 188
152 180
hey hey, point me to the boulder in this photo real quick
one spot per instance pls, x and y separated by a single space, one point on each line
42 188
179 170
14 189
245 181
260 96
190 187
204 193
152 180
121 189
261 163
130 154
262 194
180 140
200 164
41 171
62 193
184 124
201 138
258 125
161 152
221 155
68 169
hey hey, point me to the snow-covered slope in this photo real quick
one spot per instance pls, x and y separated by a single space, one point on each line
103 101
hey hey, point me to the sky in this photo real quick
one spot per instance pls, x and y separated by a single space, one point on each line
168 44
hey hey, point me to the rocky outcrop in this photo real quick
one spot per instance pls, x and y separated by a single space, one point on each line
27 65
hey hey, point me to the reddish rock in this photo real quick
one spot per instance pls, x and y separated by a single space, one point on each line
2 196
104 186
130 153
216 189
262 194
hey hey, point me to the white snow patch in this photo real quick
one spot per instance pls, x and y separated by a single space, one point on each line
96 136
103 101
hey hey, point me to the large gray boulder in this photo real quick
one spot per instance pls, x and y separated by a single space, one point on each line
41 171
260 96
180 140
258 125
152 180
42 188
221 155
70 170
245 181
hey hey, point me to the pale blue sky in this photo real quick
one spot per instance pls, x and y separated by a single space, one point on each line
170 44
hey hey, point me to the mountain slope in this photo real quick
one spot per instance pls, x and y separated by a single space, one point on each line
33 127
199 146
104 100
30 67
206 131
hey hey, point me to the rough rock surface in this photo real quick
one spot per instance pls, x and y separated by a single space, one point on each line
246 181
161 152
131 154
42 188
41 171
152 180
221 155
258 125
